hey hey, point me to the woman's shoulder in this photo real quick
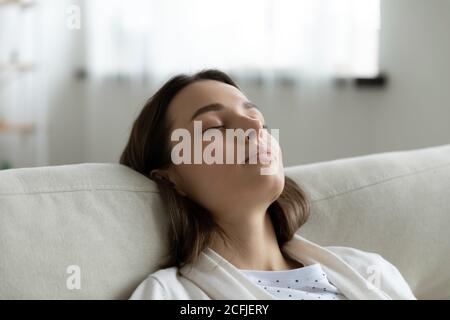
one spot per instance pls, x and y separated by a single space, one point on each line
379 271
356 257
167 284
153 287
367 263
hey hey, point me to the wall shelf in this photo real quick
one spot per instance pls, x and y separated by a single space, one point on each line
16 127
16 67
21 3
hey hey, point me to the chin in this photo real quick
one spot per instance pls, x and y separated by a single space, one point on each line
278 186
274 184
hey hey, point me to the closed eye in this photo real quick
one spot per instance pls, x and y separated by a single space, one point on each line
223 127
216 127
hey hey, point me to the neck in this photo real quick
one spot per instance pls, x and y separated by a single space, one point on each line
253 244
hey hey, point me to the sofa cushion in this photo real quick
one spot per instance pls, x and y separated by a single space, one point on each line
104 218
396 204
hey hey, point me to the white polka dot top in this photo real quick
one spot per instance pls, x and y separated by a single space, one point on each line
306 283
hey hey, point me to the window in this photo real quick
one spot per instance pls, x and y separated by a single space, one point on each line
329 37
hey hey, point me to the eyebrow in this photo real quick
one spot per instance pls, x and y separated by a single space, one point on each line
218 107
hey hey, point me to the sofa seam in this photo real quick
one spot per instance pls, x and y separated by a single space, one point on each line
380 182
101 188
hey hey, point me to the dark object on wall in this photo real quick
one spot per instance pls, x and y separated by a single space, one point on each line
379 81
80 74
4 164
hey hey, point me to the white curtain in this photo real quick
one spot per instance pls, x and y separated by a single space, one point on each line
301 38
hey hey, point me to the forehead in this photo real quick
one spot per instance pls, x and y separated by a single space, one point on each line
199 94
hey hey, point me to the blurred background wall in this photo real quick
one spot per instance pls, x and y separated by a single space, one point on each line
56 110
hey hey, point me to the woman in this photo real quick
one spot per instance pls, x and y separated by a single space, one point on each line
232 229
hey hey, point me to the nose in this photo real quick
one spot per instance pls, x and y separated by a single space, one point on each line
246 122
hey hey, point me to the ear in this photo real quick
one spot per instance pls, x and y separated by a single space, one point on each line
166 177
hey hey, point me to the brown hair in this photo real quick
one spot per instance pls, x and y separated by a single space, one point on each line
191 226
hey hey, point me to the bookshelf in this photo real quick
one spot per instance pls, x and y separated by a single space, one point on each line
15 76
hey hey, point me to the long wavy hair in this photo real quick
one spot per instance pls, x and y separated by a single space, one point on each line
192 226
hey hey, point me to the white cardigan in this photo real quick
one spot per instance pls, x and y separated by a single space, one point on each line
357 274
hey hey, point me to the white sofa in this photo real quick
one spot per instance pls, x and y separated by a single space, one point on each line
108 220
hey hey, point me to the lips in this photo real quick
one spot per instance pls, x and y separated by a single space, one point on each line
263 155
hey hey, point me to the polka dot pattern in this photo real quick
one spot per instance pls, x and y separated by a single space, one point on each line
307 283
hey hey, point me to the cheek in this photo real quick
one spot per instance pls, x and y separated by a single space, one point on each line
207 184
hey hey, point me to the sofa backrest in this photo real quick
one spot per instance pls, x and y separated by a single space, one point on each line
106 223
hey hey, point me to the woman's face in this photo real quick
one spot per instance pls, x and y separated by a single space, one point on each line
224 189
